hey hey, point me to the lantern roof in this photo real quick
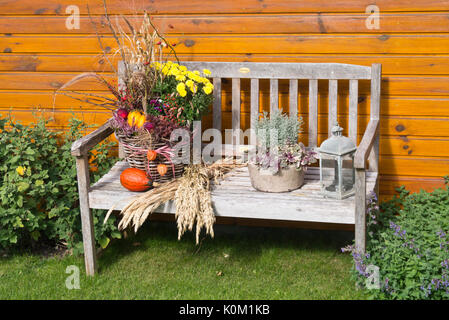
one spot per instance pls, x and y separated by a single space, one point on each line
337 144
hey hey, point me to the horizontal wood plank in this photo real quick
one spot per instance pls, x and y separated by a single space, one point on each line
424 167
239 23
389 184
57 7
217 44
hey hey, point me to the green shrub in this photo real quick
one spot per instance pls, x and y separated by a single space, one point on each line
38 186
408 239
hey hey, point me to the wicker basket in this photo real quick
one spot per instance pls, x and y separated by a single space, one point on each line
135 149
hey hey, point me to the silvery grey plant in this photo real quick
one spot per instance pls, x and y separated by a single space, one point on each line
285 127
277 142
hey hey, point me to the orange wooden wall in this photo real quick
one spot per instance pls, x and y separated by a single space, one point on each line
38 54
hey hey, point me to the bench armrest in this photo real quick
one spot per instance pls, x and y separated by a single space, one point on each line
81 146
365 146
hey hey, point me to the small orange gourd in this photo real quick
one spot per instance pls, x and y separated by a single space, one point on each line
135 180
151 155
162 169
136 119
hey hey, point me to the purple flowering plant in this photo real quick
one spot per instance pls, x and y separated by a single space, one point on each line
408 240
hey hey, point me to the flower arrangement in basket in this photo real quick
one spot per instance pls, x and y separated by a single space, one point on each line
178 97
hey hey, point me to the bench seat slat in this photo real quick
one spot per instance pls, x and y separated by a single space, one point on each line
234 197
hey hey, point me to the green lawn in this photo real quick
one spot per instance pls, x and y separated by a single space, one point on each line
240 263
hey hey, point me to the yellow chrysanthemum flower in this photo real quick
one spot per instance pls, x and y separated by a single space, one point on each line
183 68
192 86
20 170
207 72
181 88
157 65
165 70
180 77
174 71
207 89
205 81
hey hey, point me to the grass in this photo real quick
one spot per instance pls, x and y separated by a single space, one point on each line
240 263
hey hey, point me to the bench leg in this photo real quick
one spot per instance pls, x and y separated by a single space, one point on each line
360 211
90 257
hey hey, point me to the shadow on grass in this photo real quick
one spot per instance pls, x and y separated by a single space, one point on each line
242 243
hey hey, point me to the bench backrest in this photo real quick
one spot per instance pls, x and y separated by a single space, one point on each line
292 72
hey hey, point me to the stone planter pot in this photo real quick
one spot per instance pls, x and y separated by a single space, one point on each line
285 180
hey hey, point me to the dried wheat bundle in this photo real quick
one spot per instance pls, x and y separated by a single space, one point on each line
191 194
193 202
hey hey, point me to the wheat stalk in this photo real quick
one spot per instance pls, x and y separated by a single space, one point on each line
192 197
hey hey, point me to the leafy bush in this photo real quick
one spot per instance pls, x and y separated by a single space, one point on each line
408 239
38 186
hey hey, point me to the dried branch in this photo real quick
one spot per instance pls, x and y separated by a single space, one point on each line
99 40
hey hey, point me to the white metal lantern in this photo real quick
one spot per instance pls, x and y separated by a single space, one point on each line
337 174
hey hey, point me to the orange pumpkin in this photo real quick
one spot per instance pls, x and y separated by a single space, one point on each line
151 155
135 180
162 169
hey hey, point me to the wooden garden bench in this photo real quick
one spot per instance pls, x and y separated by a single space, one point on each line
235 197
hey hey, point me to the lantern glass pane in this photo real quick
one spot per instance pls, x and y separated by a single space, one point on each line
347 173
329 172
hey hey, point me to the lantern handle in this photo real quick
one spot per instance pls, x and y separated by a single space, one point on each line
336 129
